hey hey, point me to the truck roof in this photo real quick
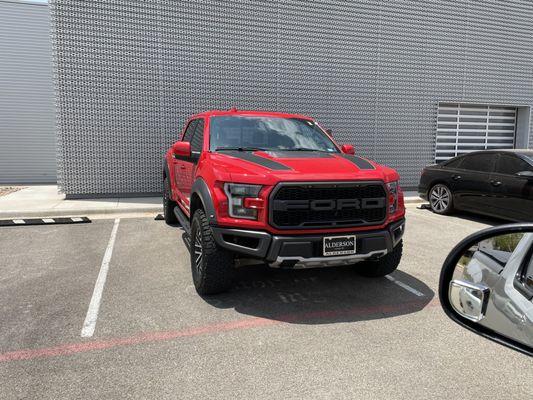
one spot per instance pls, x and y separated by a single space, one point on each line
256 113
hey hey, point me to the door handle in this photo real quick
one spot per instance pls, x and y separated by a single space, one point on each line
495 183
182 166
456 177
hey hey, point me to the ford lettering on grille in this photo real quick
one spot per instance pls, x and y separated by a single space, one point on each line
297 206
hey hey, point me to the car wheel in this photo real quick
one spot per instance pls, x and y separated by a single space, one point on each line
212 266
168 204
382 266
441 199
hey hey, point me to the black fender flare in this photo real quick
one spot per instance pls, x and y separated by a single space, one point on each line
165 168
200 188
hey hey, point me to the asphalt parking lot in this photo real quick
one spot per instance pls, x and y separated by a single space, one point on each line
324 333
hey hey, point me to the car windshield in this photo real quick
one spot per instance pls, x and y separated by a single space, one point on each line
267 133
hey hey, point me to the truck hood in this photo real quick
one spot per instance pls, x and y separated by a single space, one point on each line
270 167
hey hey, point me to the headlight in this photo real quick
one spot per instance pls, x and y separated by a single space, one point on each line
393 196
243 200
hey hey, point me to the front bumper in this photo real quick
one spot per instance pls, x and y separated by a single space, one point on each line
305 251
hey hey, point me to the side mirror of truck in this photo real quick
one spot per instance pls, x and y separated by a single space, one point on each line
486 285
182 149
347 149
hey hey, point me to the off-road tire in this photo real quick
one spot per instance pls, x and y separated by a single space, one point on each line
384 265
441 191
214 272
168 204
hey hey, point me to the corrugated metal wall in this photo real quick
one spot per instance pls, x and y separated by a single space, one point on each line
130 72
27 115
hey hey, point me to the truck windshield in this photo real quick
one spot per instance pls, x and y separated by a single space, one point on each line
267 133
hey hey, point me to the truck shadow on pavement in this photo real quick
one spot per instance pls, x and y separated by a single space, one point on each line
321 296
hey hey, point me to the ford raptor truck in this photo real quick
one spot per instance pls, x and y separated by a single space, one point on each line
275 188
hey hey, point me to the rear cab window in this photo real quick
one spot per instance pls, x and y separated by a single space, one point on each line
197 140
189 131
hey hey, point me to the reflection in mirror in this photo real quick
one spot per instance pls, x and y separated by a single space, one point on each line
491 285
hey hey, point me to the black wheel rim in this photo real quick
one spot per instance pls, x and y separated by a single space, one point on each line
440 198
198 252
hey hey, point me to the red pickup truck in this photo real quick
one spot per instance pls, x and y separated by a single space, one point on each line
275 188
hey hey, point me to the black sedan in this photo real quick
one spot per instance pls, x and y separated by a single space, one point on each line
497 183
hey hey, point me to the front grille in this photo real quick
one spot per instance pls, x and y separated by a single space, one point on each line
320 205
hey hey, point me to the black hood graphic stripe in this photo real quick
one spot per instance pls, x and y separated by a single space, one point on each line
262 161
360 163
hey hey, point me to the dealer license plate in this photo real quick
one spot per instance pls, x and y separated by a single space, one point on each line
339 245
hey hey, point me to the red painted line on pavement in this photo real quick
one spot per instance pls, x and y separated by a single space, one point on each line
246 323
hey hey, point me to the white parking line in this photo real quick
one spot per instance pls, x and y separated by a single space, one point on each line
94 305
405 286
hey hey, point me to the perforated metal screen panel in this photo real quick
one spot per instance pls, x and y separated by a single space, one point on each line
462 128
27 115
129 72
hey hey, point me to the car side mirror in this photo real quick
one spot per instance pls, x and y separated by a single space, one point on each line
329 132
348 149
525 174
182 149
486 285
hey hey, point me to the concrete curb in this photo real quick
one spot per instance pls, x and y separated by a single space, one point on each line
413 200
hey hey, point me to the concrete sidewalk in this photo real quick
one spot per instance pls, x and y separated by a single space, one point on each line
45 201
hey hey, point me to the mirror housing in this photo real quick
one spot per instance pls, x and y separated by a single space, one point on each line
329 132
182 149
479 285
348 149
525 174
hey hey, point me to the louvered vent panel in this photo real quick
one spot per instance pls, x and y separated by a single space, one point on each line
462 128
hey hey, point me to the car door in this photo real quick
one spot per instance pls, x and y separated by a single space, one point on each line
471 183
188 168
509 309
512 195
520 293
180 167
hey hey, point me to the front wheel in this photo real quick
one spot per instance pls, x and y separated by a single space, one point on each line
441 199
212 266
382 266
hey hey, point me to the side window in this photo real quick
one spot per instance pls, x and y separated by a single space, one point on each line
510 165
478 162
524 278
189 131
455 163
198 137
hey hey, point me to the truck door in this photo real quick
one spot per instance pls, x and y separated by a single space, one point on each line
189 166
180 167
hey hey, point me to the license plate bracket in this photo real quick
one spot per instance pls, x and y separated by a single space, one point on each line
339 245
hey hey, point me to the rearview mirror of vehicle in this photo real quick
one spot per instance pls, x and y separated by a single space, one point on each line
525 174
486 285
182 149
329 132
347 149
